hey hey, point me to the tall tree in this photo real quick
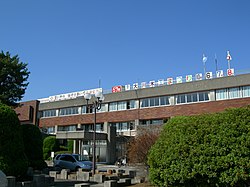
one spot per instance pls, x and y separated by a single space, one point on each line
13 78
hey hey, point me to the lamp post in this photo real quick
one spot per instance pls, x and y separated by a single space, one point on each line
96 105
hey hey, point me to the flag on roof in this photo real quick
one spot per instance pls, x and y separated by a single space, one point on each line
204 58
229 56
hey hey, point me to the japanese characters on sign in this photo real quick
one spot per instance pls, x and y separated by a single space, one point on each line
177 80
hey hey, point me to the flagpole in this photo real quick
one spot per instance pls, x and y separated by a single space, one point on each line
204 64
204 59
228 64
228 59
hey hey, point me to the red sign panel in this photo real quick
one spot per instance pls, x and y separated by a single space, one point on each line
116 89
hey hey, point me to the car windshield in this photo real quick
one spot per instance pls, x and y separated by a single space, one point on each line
81 157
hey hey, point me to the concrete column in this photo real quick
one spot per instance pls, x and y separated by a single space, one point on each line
105 127
111 144
172 100
79 125
80 147
56 128
74 146
137 104
137 122
211 95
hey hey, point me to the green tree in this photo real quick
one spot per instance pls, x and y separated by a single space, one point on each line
13 78
13 160
206 150
33 144
50 144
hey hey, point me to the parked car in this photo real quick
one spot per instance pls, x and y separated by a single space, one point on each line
72 162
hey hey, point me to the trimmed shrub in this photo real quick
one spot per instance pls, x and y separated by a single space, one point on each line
33 144
13 160
206 150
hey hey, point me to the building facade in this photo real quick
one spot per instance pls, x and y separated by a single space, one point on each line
123 112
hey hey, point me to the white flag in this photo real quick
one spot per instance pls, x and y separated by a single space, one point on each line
229 56
204 58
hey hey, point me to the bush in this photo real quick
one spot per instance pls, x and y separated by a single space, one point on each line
207 150
50 144
13 160
33 144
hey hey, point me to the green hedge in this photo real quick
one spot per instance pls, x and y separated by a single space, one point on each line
13 160
206 150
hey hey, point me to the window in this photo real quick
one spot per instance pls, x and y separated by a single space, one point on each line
84 110
122 105
151 122
99 127
181 99
203 96
124 126
189 98
192 97
164 100
67 128
221 94
131 104
246 91
144 103
195 97
87 127
68 158
234 93
113 106
51 130
102 109
69 111
154 101
48 113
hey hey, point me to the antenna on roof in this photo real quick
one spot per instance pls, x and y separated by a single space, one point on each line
216 62
99 83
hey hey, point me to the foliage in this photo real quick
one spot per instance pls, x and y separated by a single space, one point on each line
70 145
33 144
138 148
13 160
50 144
207 150
13 77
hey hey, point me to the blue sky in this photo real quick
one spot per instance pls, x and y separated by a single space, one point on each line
71 45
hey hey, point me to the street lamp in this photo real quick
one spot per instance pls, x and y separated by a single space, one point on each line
96 105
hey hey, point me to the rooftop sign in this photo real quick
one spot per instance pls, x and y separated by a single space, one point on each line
71 95
171 80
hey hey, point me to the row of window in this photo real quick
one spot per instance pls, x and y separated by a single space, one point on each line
192 97
228 93
155 101
124 126
123 105
120 126
231 93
